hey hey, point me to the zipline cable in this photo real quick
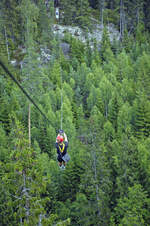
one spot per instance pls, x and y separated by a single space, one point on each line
22 89
61 121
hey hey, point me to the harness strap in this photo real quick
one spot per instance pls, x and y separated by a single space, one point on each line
61 148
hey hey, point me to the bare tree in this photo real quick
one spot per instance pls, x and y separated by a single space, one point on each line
6 41
122 19
29 124
101 6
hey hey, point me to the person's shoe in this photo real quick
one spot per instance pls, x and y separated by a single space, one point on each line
61 167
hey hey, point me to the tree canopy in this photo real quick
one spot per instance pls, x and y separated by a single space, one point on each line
99 91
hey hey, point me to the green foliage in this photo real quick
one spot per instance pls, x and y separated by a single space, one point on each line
77 12
24 168
133 209
124 65
142 116
143 72
143 154
77 49
44 29
29 12
124 119
105 112
4 153
114 109
105 51
108 132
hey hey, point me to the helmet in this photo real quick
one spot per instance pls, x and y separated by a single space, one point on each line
60 139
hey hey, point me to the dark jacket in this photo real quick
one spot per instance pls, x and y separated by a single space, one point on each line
59 148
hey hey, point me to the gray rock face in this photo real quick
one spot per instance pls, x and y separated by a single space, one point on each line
78 33
61 30
65 48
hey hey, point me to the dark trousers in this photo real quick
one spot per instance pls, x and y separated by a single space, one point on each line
59 158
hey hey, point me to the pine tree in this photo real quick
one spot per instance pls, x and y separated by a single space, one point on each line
80 119
92 98
96 183
83 13
69 10
105 45
109 132
8 101
31 73
114 109
133 209
143 156
141 116
4 50
124 119
124 65
143 72
27 205
45 21
77 50
11 28
125 166
4 153
76 12
105 93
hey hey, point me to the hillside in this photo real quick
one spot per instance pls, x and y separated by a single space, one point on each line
88 73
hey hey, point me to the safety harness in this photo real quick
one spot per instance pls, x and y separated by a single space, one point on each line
62 147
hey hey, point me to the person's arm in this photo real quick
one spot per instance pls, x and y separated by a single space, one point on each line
65 137
56 137
58 151
66 144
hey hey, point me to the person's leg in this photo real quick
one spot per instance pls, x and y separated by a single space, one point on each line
64 164
59 161
60 164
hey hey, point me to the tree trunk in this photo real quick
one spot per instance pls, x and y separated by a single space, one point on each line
95 175
25 193
122 19
137 16
6 41
106 110
101 5
40 220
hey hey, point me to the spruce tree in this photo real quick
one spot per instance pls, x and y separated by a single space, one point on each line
141 116
76 12
25 194
133 209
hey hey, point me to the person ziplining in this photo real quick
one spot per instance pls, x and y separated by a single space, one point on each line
61 139
61 146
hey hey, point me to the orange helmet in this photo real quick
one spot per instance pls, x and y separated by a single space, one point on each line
60 139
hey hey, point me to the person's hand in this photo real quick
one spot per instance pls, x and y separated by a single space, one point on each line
61 131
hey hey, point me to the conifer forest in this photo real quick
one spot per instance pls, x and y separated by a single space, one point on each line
82 66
